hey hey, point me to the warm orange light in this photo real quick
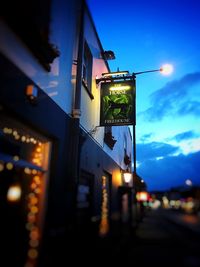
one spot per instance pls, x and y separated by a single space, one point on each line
166 69
14 193
33 253
1 166
142 196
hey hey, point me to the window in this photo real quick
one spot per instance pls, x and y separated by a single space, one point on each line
87 69
24 165
108 138
127 158
30 20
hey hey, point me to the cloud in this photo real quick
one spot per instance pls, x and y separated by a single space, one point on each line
189 107
174 98
146 137
171 171
185 136
154 150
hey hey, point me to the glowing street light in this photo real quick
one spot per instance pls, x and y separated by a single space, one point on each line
127 177
166 69
188 182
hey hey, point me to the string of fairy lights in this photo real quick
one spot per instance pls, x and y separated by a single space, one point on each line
35 173
33 208
104 222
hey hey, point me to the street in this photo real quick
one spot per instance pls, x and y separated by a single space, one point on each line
162 238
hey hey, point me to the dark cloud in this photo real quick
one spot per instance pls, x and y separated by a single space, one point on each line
153 150
171 171
171 99
185 136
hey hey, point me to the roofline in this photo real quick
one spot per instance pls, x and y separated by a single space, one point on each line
94 28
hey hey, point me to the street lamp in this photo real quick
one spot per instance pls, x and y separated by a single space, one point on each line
127 177
166 69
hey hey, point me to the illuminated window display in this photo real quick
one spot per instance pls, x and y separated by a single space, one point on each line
24 161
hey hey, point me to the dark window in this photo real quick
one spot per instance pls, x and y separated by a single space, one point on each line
127 158
108 138
87 68
30 20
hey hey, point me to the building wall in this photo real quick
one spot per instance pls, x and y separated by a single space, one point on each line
57 200
58 83
50 115
90 108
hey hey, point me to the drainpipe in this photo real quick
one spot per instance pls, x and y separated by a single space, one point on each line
74 141
77 99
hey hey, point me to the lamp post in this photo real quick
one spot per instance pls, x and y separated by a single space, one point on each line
166 69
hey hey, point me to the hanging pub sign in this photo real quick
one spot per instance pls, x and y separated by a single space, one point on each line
117 103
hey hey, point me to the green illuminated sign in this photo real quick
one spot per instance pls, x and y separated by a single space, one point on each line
117 103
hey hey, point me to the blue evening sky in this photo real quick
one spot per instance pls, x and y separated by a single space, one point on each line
144 34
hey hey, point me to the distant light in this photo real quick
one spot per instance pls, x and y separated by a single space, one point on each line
188 182
16 158
142 196
166 69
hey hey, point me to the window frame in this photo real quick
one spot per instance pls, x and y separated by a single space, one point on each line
87 69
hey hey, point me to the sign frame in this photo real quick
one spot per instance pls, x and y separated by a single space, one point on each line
117 107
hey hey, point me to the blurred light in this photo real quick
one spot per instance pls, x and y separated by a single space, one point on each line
142 196
155 204
9 166
27 170
1 166
33 253
16 158
188 182
34 243
14 193
127 177
165 202
166 69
